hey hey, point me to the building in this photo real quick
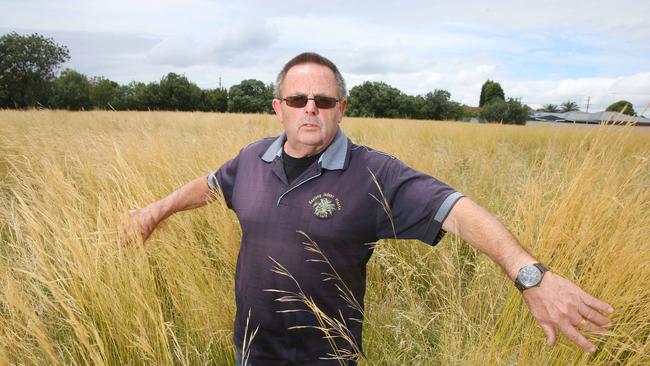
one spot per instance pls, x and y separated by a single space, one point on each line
589 118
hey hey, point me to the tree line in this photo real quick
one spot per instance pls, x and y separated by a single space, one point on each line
29 79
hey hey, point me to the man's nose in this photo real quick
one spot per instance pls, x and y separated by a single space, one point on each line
311 108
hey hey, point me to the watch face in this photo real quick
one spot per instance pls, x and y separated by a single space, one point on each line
530 276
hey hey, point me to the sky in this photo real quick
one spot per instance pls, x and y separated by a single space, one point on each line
541 52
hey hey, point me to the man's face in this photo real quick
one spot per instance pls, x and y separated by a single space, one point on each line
309 129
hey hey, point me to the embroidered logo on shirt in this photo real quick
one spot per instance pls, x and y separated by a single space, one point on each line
325 205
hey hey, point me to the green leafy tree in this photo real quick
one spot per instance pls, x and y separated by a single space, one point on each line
106 94
490 91
269 97
145 96
455 111
495 111
376 99
72 91
27 69
409 106
551 108
508 112
250 96
622 106
437 105
569 106
380 100
177 93
128 94
215 100
142 97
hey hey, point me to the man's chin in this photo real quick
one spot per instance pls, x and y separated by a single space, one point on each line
312 143
310 139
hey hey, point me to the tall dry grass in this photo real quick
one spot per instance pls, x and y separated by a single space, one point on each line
577 198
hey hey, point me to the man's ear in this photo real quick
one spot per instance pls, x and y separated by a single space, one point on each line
276 107
344 105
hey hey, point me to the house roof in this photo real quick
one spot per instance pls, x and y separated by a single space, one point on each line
582 117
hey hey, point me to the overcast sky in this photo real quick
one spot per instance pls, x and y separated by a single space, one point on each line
540 51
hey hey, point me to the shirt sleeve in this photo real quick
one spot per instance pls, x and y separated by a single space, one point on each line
414 205
223 179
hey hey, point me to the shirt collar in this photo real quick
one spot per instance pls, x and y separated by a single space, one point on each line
332 159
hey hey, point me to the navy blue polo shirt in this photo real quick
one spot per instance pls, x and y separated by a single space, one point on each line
346 201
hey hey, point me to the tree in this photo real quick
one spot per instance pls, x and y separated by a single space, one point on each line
106 94
142 97
250 96
510 112
410 106
490 91
455 111
569 106
622 106
72 91
215 100
551 108
380 100
27 69
176 93
437 105
494 111
376 99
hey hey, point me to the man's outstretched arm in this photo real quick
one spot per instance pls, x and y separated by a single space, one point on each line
193 194
556 303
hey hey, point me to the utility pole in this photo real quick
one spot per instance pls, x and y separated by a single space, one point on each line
220 84
588 100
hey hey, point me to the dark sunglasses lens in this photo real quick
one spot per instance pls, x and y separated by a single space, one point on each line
325 102
297 101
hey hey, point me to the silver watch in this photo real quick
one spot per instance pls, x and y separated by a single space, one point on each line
530 276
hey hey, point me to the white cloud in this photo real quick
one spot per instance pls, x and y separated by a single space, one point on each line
235 43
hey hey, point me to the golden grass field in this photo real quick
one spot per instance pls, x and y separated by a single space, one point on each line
579 199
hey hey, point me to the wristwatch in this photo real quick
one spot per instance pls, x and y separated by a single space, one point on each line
530 276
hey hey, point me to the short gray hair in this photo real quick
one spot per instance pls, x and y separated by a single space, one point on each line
310 58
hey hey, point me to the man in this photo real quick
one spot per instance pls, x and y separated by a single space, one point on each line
312 185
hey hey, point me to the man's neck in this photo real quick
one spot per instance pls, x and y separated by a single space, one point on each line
303 151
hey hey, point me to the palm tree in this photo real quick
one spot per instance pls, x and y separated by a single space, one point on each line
569 106
551 108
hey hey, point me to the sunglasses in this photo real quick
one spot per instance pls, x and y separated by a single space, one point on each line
299 101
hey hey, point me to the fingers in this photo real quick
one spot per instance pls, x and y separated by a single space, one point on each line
549 331
593 316
130 229
574 335
597 304
587 326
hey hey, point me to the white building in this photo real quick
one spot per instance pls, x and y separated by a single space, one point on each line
589 118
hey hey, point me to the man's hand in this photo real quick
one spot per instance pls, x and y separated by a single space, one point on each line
193 194
136 223
558 303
